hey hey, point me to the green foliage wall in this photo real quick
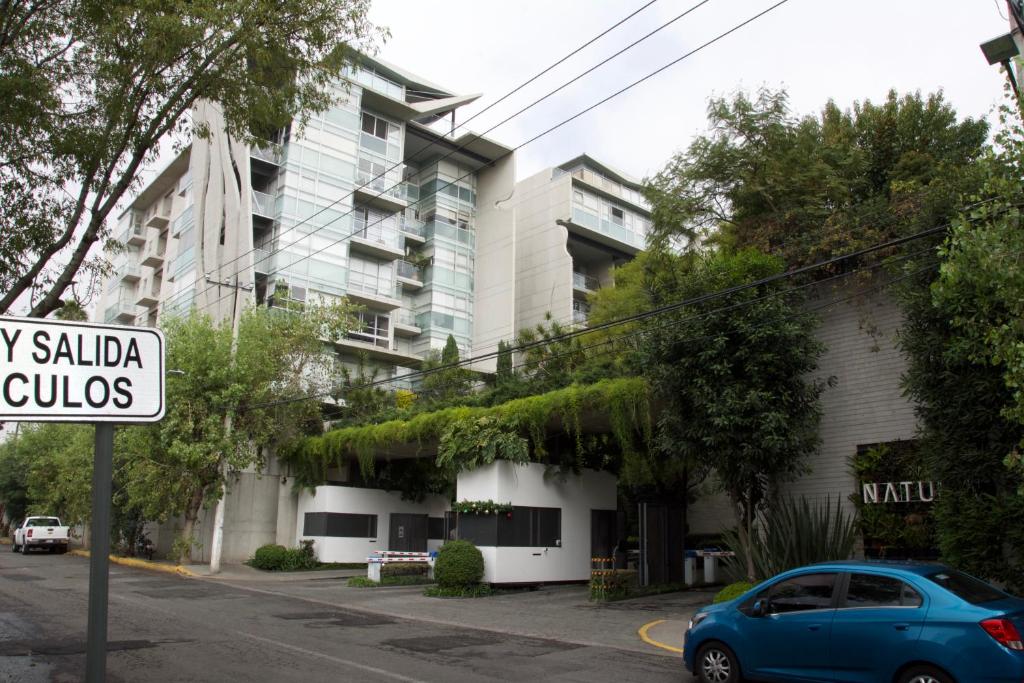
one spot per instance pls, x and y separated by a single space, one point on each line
623 403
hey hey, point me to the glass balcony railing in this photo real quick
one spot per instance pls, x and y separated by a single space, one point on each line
262 204
580 312
377 288
134 233
268 152
374 81
382 185
413 226
377 231
129 271
406 318
410 271
582 281
261 260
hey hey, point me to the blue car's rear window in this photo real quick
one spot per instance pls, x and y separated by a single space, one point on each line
966 587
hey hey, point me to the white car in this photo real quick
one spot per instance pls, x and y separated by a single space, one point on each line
41 532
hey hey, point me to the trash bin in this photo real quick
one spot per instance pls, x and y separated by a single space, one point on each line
690 567
710 569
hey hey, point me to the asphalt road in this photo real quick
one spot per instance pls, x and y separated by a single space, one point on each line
166 628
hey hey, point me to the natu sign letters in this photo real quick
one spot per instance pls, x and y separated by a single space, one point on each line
57 371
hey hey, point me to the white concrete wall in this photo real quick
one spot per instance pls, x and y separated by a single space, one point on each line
525 485
543 264
352 500
495 262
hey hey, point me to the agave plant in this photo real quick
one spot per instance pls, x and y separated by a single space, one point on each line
792 533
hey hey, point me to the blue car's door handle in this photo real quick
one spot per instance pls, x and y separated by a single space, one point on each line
814 627
901 627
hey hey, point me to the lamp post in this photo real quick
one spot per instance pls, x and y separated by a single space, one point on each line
1001 50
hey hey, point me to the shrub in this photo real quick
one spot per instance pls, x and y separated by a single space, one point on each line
733 590
277 558
793 533
612 584
269 557
459 564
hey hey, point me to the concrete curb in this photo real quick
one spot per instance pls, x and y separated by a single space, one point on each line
142 564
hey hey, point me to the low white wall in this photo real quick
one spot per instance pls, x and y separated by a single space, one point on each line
525 485
351 500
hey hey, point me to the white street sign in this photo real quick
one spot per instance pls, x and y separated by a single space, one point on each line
56 371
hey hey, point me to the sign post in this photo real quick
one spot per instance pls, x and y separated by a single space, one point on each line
57 371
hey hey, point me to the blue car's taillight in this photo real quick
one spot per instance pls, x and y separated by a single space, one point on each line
1005 633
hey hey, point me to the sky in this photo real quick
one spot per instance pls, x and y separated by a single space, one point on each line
816 49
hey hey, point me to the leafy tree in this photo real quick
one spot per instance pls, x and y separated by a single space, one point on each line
732 377
14 467
178 465
553 360
504 372
964 342
810 187
445 381
71 310
91 88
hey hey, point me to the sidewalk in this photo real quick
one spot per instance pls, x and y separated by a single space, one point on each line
652 624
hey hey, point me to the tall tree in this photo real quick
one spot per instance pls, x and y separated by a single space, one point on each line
179 465
91 88
809 187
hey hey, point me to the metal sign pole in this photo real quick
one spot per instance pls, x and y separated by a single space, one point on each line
99 551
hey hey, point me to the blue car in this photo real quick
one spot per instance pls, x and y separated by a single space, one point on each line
861 622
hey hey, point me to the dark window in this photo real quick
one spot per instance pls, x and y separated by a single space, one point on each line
869 590
530 527
375 126
799 594
43 521
966 587
435 528
617 215
527 527
339 524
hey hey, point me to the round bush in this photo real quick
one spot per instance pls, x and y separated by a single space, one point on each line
459 564
270 557
732 591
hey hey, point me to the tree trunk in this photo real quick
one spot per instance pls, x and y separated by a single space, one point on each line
191 517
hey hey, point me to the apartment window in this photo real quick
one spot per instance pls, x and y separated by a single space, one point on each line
616 214
577 196
369 276
375 126
371 328
339 524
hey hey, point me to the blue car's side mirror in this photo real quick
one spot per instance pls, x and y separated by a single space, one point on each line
759 608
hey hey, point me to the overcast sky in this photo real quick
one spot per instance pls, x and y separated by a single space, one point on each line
816 49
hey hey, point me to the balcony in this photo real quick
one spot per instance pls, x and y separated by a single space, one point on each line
580 312
404 323
585 283
129 272
263 205
413 229
148 292
377 295
395 354
610 187
267 153
155 249
410 275
377 238
386 192
159 215
135 235
261 259
121 312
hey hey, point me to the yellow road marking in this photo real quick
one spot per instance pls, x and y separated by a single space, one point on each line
642 632
141 564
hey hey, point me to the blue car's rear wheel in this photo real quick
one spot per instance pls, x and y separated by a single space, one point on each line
924 674
716 663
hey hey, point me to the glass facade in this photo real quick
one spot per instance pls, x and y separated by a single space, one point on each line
617 220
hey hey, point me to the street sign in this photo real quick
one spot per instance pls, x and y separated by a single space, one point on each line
57 371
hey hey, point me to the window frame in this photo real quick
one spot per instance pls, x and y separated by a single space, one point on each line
838 587
848 580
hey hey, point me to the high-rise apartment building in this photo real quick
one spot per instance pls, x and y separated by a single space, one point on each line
379 200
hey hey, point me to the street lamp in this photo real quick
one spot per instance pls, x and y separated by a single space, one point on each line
1001 50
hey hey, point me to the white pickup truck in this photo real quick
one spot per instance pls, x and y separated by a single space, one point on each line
41 532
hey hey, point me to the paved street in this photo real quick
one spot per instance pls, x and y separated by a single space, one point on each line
166 628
